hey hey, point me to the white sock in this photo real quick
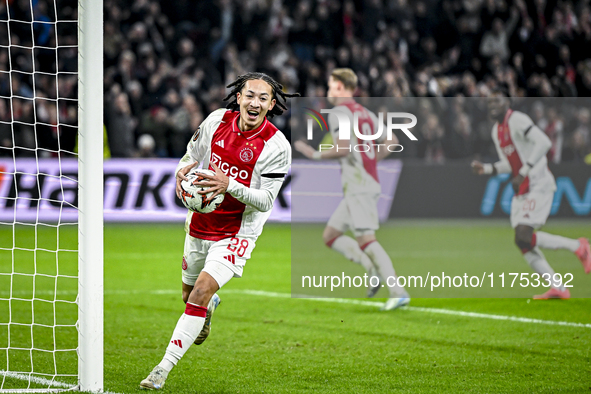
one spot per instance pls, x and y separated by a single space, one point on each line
536 260
551 241
349 248
383 263
186 331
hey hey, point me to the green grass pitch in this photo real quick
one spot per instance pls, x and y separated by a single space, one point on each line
275 344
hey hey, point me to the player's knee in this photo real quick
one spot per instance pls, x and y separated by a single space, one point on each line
524 238
329 236
328 240
365 240
198 296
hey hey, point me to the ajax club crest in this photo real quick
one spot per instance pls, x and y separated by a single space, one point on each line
247 154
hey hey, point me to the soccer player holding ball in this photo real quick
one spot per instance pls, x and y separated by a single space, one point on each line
522 149
250 157
358 210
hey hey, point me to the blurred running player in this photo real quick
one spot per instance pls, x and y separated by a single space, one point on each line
522 149
358 210
251 158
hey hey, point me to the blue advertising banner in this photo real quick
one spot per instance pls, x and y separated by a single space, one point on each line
452 191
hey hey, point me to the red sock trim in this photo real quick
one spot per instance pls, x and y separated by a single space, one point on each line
329 243
195 310
365 245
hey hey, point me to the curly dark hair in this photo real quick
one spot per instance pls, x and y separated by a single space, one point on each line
277 88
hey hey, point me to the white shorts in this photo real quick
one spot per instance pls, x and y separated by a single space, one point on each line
358 213
531 209
223 259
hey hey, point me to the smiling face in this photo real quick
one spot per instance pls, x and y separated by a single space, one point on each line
255 100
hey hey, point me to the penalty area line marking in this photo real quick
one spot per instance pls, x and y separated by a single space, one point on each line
451 312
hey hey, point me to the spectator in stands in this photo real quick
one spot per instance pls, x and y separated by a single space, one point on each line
120 125
146 146
496 41
5 130
157 123
431 142
578 143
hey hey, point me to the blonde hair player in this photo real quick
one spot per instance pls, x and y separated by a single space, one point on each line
358 210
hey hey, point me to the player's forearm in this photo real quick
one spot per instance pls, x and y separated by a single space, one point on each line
500 167
542 145
185 161
260 199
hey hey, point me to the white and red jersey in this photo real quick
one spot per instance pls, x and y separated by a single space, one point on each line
359 172
256 162
515 139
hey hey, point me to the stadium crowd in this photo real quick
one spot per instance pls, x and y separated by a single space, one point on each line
167 63
36 106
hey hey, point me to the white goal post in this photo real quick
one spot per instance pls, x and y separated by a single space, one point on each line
51 289
90 189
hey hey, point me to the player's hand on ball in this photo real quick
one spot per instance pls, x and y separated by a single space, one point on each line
477 167
516 182
217 183
181 176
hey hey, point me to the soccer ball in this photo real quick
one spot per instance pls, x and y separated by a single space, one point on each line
194 201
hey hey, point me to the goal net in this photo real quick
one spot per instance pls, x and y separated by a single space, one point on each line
51 195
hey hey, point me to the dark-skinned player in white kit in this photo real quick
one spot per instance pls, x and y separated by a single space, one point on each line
522 149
